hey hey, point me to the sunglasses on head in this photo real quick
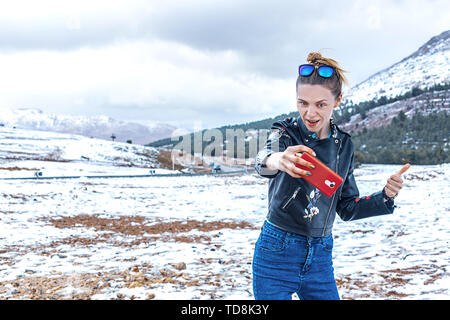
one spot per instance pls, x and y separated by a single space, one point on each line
305 70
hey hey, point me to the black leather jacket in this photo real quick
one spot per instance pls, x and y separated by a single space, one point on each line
290 199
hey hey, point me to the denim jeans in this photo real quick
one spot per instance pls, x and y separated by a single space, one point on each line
291 266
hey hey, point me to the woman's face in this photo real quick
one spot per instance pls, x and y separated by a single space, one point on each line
315 104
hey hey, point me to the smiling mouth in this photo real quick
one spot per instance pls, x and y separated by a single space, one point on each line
312 122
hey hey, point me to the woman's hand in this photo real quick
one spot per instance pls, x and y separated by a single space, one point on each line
285 161
394 183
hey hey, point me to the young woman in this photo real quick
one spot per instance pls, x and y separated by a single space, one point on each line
293 254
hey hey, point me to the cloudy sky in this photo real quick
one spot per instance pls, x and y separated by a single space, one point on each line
187 62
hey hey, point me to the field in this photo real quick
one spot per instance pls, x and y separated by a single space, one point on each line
193 237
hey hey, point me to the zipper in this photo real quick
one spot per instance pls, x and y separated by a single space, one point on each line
334 195
292 197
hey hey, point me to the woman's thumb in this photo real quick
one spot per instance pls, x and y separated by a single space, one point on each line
403 169
301 147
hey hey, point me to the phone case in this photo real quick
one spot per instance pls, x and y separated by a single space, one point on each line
322 177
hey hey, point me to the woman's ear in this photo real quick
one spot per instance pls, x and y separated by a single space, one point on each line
338 101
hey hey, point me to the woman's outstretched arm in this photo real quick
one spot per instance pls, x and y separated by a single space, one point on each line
351 206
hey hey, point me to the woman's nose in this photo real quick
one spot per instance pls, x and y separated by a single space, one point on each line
310 110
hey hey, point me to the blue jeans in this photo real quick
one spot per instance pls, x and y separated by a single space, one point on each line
289 266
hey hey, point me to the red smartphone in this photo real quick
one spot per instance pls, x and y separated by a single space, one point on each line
322 177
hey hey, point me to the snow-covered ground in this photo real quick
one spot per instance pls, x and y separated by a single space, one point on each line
69 154
193 237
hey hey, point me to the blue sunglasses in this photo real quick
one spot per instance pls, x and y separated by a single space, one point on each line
305 70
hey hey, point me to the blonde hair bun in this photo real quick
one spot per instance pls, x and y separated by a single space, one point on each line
316 58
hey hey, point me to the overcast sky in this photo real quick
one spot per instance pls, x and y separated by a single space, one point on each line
215 62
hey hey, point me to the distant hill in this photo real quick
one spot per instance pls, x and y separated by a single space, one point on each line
419 138
20 146
101 127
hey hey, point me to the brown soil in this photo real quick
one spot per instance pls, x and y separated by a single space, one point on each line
391 284
139 225
19 169
85 285
137 230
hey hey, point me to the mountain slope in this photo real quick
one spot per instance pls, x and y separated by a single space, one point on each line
22 150
101 127
425 103
427 66
417 139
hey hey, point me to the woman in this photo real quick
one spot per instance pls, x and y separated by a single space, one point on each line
293 254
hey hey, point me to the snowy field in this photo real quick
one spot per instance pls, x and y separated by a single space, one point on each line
193 237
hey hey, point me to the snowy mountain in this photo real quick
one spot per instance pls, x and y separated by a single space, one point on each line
425 103
23 151
101 127
427 66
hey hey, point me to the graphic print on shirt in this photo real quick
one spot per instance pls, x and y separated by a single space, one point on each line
312 210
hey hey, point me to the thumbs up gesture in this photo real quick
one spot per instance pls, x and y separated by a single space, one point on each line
394 183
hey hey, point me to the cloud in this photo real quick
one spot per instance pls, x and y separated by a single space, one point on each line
155 80
69 25
180 61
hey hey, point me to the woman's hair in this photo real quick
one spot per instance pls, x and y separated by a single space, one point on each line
334 83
